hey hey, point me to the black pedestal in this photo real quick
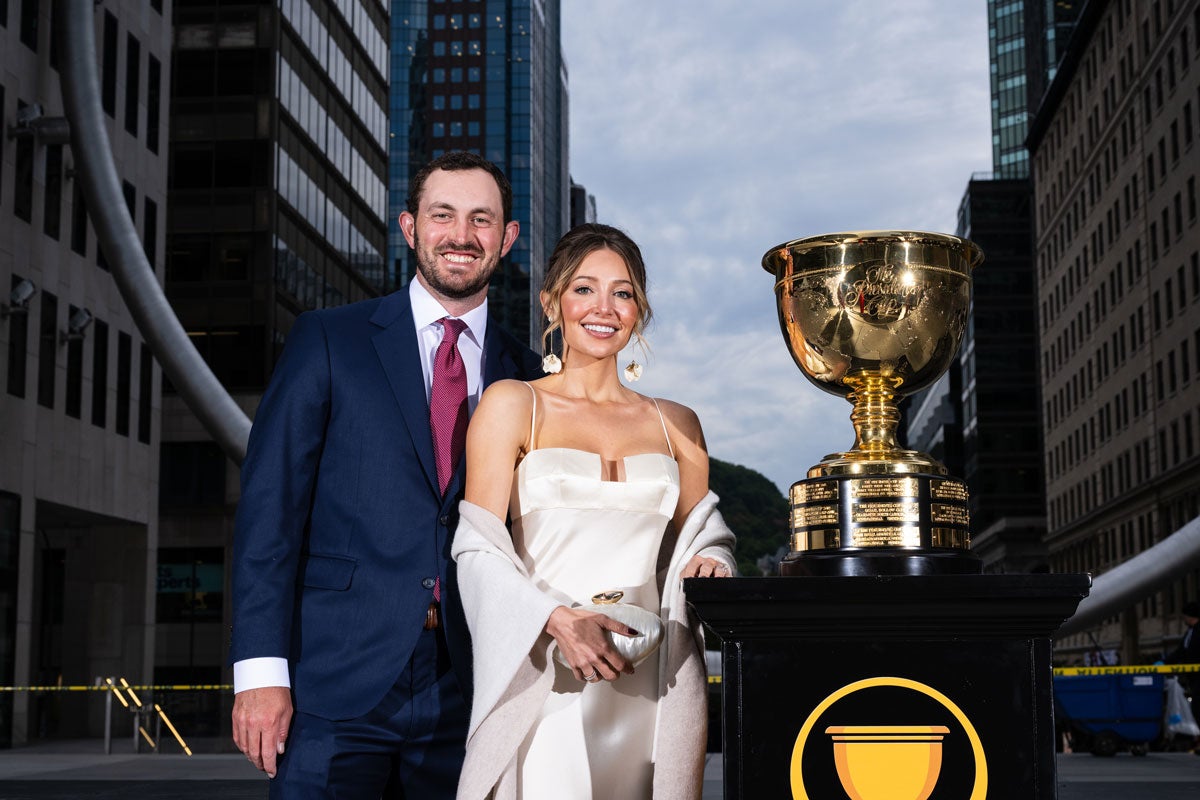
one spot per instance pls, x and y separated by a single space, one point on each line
888 674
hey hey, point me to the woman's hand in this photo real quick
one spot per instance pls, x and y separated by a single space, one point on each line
583 639
700 567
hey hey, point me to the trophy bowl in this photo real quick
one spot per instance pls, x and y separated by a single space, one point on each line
874 316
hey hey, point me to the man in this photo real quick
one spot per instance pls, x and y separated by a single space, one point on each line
344 595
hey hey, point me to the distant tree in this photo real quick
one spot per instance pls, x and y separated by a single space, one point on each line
756 511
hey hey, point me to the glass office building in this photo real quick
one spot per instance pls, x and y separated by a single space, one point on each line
1025 42
486 76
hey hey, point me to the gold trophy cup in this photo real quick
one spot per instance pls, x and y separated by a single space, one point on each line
874 316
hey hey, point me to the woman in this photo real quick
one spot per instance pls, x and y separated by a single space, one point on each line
593 474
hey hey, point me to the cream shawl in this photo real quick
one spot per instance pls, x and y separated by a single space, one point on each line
507 616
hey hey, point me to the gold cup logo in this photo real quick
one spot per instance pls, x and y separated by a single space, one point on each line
888 762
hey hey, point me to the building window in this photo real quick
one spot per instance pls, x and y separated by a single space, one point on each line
191 474
439 102
23 188
18 340
153 108
74 401
108 70
150 231
191 584
133 64
78 220
145 393
99 373
439 48
47 349
124 379
29 23
52 211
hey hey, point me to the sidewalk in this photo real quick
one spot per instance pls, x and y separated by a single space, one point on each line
69 770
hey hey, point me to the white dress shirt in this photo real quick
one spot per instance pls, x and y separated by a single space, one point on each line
258 673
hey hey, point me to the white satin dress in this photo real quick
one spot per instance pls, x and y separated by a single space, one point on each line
579 535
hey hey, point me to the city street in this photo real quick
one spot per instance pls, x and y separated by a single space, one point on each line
70 770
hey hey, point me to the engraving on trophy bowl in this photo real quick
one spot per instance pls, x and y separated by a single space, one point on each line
874 316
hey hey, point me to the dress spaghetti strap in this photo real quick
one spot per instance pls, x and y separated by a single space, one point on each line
532 418
662 420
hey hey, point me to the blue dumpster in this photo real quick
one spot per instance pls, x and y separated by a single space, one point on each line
1107 713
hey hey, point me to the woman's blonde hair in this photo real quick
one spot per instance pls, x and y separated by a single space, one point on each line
576 245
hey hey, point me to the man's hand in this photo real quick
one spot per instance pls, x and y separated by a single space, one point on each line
261 718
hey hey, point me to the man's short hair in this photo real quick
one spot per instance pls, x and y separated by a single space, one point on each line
1191 609
454 161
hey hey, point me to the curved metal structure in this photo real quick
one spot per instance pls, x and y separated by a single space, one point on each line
1122 586
94 167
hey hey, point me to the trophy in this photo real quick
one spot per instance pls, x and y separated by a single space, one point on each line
874 316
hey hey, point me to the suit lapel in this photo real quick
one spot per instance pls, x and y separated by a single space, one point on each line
396 345
498 360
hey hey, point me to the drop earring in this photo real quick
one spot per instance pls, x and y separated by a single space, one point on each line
633 371
551 364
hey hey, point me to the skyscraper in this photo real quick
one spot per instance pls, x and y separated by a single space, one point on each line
79 412
1114 155
486 76
1025 42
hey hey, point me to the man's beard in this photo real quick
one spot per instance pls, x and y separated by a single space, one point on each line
454 286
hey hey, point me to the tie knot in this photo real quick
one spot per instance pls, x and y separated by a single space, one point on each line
451 329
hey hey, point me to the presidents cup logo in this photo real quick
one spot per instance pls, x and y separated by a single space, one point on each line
888 738
878 292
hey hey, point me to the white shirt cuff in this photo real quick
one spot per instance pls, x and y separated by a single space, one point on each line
258 673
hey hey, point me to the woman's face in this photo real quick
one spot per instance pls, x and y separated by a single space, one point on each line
599 309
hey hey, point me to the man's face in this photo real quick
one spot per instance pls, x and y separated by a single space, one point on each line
458 233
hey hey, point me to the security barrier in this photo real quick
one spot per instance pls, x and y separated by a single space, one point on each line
127 695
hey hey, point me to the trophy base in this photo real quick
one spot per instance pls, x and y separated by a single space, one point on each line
880 561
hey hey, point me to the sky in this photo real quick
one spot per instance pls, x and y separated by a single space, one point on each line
712 131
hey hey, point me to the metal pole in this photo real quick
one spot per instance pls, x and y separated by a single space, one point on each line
107 721
1140 576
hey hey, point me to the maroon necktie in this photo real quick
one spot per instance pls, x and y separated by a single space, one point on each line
448 410
448 402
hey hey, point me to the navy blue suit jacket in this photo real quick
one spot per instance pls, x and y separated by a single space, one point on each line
341 525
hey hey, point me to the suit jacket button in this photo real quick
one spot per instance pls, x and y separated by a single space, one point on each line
444 519
427 583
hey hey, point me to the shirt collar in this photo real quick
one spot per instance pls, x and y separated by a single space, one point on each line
427 310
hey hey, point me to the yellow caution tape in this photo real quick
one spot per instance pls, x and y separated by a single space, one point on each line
1132 669
104 688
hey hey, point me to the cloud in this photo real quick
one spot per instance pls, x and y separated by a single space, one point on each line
711 135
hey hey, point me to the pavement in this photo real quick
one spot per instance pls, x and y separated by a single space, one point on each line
80 769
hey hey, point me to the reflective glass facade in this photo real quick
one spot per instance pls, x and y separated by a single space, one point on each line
278 171
1025 41
485 76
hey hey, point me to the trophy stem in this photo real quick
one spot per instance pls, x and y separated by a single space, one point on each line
875 415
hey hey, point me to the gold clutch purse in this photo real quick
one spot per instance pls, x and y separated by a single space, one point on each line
635 649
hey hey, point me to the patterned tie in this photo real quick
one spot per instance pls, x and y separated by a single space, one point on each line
448 402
